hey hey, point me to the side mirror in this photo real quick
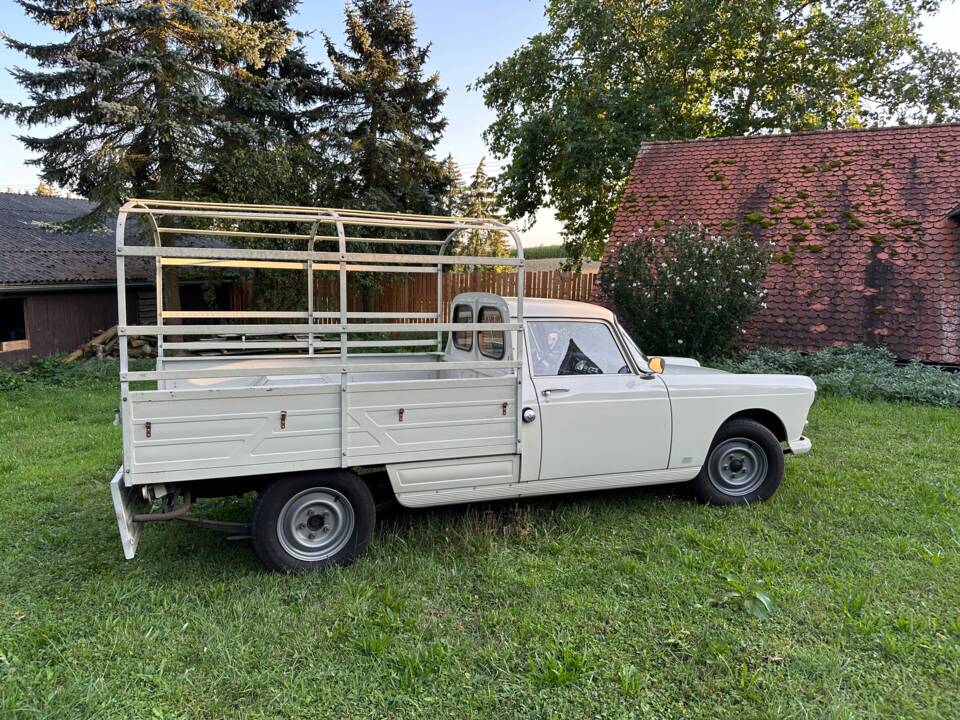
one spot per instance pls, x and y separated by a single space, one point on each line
657 364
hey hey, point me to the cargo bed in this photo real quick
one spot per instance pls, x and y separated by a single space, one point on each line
274 422
257 397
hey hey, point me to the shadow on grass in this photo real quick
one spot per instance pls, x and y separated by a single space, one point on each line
187 553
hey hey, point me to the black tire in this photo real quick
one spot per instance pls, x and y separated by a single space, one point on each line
744 465
312 522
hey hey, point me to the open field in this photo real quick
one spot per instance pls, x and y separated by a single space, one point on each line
599 605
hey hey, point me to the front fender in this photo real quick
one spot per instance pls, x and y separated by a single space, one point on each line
702 403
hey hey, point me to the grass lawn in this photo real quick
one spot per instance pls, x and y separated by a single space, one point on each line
598 605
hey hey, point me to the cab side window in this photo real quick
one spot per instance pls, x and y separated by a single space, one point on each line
491 342
565 347
463 339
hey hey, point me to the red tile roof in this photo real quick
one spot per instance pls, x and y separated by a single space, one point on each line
867 250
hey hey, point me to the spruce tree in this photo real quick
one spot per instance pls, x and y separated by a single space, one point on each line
288 86
137 87
266 146
388 112
478 200
456 187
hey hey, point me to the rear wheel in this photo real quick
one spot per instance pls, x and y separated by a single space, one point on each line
744 465
312 522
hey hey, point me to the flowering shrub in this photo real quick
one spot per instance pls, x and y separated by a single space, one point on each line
687 291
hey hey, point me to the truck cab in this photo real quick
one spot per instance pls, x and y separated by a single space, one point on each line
596 415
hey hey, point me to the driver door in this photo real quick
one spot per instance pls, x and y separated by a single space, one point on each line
598 417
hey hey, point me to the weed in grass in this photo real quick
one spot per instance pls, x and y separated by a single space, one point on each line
749 599
392 600
747 682
560 666
889 643
854 605
375 642
419 664
935 556
869 623
712 649
953 626
632 680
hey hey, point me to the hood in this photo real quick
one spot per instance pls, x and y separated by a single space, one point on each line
677 369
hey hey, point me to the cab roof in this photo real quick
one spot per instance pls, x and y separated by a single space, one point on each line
552 308
541 307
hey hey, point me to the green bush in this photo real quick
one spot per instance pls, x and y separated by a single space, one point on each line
52 371
856 371
687 292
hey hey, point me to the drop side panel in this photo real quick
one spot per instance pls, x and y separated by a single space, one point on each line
180 435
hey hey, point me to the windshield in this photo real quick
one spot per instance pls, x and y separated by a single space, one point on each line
630 343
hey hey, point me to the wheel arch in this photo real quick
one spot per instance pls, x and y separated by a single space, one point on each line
767 418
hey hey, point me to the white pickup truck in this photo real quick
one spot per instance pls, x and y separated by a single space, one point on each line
512 398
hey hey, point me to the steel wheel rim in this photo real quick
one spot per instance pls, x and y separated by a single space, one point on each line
737 467
315 524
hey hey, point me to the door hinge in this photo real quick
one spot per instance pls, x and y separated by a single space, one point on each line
504 409
283 419
400 415
148 426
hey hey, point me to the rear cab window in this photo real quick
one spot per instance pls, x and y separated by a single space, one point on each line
463 339
571 347
492 343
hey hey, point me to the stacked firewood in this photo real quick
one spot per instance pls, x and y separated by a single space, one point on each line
140 348
106 344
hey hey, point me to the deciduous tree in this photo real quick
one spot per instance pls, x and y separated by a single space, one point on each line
575 102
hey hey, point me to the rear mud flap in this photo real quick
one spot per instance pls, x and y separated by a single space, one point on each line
125 502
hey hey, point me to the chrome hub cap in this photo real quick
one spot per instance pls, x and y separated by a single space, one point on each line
737 467
315 524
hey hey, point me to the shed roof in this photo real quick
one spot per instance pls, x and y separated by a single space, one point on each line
34 252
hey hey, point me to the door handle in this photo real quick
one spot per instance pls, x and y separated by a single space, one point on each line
550 391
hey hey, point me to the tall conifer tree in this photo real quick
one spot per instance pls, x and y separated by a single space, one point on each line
388 111
269 144
478 200
135 86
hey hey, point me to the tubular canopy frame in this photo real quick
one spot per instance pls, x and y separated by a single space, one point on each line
321 226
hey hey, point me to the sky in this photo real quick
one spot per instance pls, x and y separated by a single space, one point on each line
466 37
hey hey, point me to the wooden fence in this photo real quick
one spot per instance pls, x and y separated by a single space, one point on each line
418 292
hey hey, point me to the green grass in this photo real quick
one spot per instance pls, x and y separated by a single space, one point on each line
542 252
599 605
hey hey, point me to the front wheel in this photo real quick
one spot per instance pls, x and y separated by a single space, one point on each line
310 523
744 465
